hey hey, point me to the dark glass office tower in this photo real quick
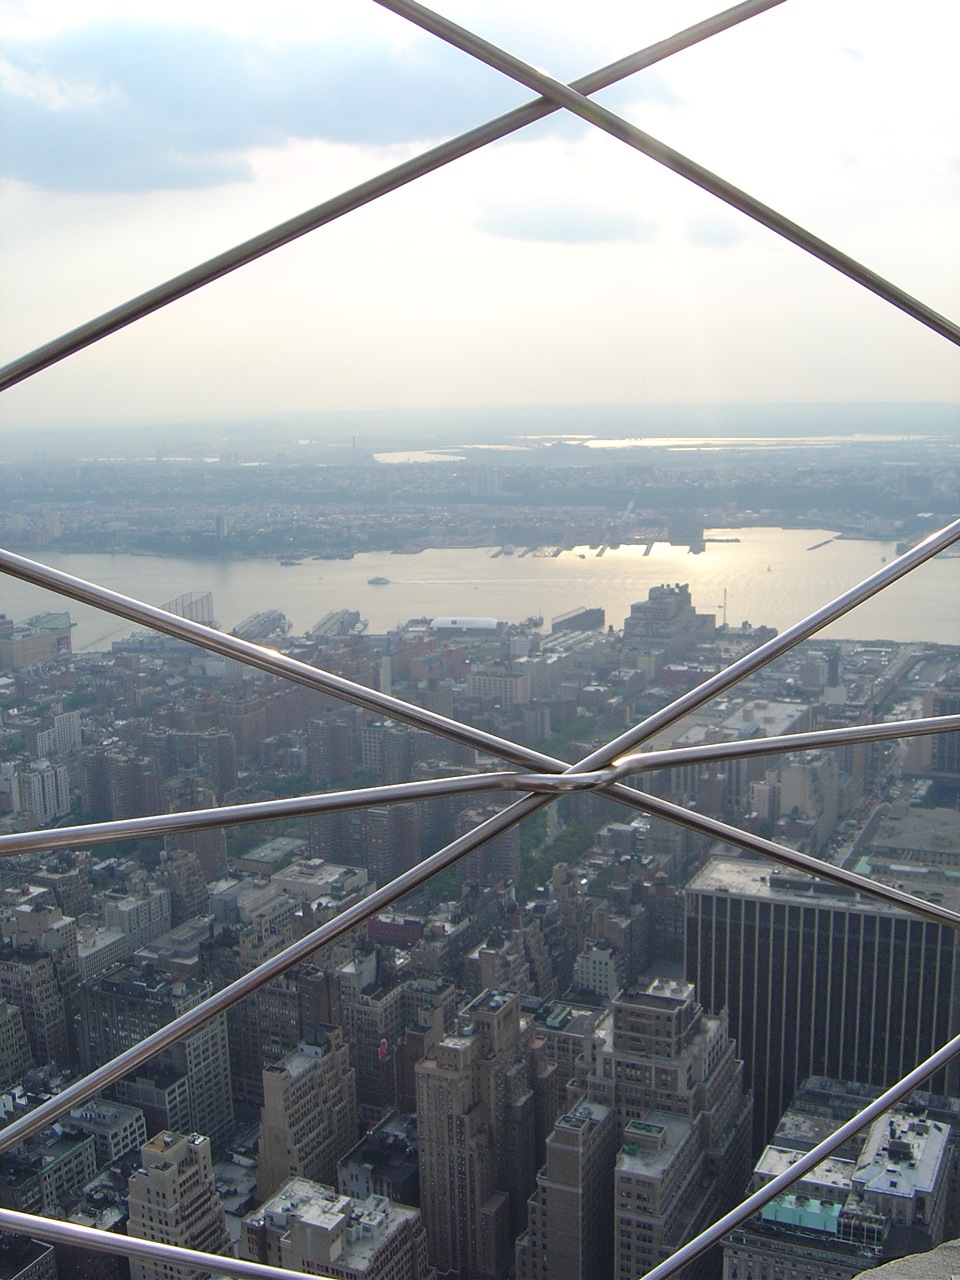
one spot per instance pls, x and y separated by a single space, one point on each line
818 981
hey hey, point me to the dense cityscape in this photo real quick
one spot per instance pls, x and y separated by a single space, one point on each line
572 1050
479 641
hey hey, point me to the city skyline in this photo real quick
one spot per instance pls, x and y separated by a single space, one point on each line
432 309
621 898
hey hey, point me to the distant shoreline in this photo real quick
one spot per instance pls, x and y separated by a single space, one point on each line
770 576
408 428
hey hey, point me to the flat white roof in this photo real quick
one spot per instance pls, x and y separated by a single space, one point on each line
464 624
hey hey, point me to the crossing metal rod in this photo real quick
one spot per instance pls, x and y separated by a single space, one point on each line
567 96
280 664
73 1235
98 1080
805 862
546 785
268 660
102 1077
391 180
717 752
41 575
803 1164
167 824
774 648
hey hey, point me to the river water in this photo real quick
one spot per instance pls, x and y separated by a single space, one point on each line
770 576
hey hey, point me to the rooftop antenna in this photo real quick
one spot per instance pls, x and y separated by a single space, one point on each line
724 606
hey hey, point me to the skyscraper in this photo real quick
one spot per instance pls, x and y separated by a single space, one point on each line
671 1073
309 1227
666 624
378 1014
938 755
264 1027
818 980
28 981
498 861
482 1095
131 1002
173 1198
309 1116
569 1233
14 1048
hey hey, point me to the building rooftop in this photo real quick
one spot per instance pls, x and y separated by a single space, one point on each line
389 1150
805 1212
94 940
802 1130
669 989
300 1061
662 1133
745 878
308 879
902 1156
304 1199
487 1000
833 1173
585 1115
100 1115
762 718
272 853
560 1016
464 624
919 832
179 947
368 1222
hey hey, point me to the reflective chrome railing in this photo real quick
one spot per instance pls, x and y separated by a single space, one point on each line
603 770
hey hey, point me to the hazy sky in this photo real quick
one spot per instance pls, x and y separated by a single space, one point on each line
557 267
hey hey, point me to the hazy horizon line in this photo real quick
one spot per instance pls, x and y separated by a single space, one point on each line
934 414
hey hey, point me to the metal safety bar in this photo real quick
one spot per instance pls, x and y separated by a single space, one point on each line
391 180
73 1234
601 770
814 740
168 824
280 664
804 1163
165 824
566 96
412 879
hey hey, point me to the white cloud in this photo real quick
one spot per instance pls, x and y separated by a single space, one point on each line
715 232
565 221
437 294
